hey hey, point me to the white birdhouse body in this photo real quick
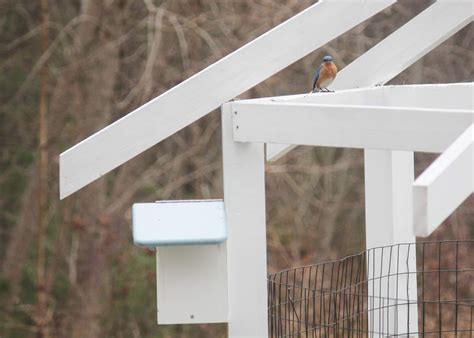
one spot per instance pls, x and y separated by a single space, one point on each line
190 240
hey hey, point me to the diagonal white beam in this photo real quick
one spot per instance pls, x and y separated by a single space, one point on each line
447 182
398 51
371 127
407 44
207 90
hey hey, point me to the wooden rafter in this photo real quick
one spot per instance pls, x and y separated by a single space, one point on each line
208 89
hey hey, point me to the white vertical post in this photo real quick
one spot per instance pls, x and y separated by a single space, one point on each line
244 198
389 176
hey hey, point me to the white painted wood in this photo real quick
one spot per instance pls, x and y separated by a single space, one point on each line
436 96
244 196
374 127
191 284
389 177
359 96
187 222
447 182
205 91
406 45
398 51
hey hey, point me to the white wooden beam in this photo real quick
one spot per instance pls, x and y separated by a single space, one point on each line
389 177
407 44
205 91
447 182
436 96
398 51
244 196
373 127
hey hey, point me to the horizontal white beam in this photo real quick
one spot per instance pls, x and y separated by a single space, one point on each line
371 127
398 51
436 96
447 182
207 90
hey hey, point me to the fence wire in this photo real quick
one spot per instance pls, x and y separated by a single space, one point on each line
416 289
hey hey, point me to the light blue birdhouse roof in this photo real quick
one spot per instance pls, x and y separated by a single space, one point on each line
190 222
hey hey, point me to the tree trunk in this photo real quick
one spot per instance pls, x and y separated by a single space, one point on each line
41 317
87 89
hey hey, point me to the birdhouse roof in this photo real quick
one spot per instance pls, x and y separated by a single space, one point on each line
191 222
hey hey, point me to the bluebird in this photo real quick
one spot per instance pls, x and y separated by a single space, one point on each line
324 75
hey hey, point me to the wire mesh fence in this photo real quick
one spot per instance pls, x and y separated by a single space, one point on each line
417 289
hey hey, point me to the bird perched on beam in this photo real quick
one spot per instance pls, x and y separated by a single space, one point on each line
324 75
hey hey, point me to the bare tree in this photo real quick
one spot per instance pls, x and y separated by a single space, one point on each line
41 317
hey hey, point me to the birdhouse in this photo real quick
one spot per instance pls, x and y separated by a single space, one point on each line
190 241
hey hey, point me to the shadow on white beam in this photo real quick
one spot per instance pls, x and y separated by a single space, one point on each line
447 182
208 89
398 51
371 127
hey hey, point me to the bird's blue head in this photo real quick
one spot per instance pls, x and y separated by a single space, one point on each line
327 58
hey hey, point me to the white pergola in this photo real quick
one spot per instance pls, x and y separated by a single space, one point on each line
410 118
389 122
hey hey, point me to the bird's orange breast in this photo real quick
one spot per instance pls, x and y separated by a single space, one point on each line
331 69
326 75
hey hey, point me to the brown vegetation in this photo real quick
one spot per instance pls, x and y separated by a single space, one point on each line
105 58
